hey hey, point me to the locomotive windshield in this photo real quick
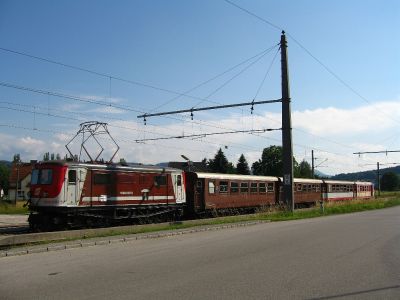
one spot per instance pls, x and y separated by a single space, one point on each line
43 176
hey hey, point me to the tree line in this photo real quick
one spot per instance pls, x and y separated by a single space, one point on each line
270 164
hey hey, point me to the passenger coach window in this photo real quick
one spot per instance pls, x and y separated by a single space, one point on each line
244 187
223 186
234 187
261 188
72 176
211 187
270 187
253 187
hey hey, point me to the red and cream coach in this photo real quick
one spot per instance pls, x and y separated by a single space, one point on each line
72 193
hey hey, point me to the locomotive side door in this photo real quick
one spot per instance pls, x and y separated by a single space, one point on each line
72 187
180 197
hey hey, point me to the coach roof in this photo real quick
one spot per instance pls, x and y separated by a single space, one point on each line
235 177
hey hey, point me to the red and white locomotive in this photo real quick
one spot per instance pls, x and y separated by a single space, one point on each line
72 193
67 193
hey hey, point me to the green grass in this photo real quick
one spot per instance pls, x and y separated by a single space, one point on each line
11 209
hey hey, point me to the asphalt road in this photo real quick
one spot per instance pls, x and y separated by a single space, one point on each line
353 256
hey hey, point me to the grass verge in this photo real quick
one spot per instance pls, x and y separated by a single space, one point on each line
272 216
11 209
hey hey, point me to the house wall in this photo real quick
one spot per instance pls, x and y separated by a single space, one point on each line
23 190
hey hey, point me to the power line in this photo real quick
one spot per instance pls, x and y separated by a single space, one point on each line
232 78
329 70
110 77
266 74
254 15
215 77
207 134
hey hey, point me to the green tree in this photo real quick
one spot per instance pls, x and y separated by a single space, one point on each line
242 167
271 163
220 163
16 158
46 156
304 170
231 169
390 181
4 177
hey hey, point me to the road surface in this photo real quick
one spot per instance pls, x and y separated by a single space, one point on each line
354 256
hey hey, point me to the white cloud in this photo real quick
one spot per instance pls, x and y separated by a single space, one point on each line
333 133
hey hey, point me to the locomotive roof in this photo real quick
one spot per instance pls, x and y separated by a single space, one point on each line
234 176
111 166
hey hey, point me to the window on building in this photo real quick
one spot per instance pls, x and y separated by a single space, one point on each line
223 186
244 187
253 187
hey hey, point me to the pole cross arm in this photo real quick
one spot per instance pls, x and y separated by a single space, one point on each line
191 110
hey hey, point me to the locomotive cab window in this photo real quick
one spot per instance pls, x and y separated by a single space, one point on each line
43 176
72 177
35 176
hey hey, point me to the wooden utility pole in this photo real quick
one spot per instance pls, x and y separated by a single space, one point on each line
287 146
312 164
378 178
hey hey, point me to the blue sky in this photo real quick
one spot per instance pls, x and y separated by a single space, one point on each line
175 45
